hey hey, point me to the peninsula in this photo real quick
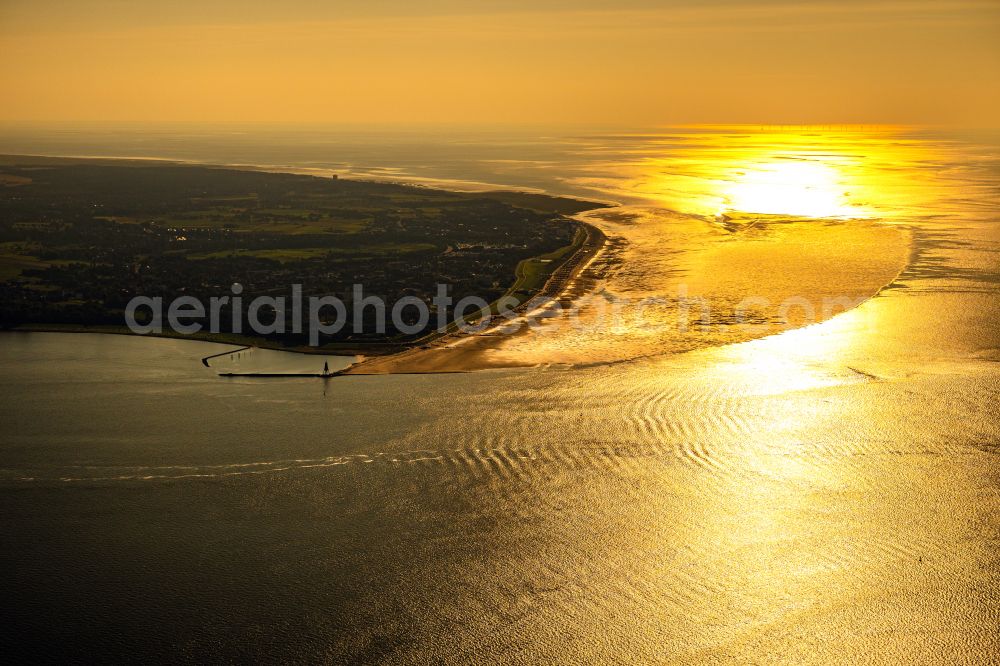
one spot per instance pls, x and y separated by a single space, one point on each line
79 238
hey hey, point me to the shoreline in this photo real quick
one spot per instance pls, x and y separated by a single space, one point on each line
554 284
449 351
555 279
462 352
473 353
422 360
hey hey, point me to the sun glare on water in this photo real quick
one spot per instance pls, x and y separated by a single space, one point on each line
805 172
788 187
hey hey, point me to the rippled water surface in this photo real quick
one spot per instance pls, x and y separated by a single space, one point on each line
824 495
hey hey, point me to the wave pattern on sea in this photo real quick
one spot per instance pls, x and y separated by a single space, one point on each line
723 431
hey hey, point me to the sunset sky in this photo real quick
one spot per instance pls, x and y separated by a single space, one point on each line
540 61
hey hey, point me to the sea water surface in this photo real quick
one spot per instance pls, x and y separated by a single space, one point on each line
824 494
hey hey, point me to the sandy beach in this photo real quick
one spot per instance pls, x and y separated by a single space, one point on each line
790 271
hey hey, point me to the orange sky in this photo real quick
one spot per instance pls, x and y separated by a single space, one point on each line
544 61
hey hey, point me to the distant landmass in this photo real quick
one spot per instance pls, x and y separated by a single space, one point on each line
80 238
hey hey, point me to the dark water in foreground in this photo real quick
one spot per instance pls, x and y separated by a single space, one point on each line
815 502
827 495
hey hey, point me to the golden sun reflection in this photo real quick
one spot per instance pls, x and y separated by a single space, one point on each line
789 187
799 359
803 172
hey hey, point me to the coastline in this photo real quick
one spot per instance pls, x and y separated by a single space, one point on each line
478 352
459 352
567 270
556 283
456 351
555 280
465 352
